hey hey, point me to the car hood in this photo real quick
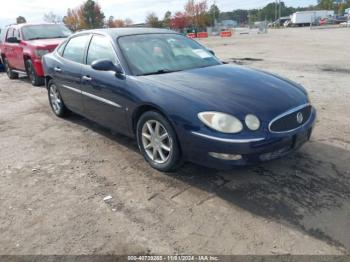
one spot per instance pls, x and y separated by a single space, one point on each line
234 89
46 43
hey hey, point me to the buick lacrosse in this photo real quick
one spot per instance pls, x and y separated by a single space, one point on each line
176 98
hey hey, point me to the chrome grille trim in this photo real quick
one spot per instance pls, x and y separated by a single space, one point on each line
291 111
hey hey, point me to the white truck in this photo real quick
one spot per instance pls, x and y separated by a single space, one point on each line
306 17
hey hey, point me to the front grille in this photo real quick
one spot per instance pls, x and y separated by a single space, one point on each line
290 121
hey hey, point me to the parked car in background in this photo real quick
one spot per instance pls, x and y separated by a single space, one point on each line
178 100
335 20
345 24
22 47
279 22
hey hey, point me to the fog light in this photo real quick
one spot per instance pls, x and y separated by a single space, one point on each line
225 156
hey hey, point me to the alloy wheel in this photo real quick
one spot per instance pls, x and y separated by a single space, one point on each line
55 99
156 141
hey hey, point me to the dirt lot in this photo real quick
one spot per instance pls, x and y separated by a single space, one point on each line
55 173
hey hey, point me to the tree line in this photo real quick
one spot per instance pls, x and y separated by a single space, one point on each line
196 14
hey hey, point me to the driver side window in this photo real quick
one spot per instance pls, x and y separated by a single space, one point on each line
9 34
100 48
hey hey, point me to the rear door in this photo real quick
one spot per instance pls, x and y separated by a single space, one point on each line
67 71
103 92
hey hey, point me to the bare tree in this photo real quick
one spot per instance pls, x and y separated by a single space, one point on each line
52 18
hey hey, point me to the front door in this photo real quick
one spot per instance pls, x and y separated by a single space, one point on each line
103 92
18 61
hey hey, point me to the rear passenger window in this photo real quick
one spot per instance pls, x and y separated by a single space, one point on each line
100 48
75 48
61 48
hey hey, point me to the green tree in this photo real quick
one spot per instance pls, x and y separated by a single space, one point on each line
325 4
167 19
92 15
214 13
20 20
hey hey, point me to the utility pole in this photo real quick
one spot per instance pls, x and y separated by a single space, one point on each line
280 10
276 10
214 14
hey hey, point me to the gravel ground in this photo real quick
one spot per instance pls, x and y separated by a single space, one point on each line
55 173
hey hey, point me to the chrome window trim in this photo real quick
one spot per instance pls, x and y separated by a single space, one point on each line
106 101
228 140
290 111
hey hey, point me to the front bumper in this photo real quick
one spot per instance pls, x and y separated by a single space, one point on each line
197 145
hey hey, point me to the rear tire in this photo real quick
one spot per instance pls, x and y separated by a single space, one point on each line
55 100
32 75
9 72
157 142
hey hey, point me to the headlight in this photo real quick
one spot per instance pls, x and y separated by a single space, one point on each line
252 122
221 122
40 52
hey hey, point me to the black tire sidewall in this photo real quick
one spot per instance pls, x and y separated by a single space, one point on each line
34 78
175 157
9 71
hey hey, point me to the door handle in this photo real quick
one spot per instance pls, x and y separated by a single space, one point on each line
86 78
57 69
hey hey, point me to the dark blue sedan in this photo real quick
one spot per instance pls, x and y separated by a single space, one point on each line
178 100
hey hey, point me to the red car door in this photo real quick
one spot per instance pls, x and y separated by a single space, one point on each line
18 61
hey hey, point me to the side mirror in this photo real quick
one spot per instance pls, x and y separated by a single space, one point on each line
106 65
13 40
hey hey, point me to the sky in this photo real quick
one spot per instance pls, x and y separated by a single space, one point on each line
34 10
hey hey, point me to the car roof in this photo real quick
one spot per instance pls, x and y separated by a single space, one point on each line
116 32
17 26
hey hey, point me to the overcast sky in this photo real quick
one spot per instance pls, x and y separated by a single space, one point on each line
33 10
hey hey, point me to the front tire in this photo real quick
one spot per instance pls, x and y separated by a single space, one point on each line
9 72
56 101
157 142
33 77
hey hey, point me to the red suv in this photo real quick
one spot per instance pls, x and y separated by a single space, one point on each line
23 45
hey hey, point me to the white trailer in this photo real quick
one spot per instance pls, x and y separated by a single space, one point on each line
307 17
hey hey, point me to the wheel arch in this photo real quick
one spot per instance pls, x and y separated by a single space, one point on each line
141 109
47 80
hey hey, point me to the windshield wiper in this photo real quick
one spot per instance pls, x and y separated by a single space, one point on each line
51 37
36 38
60 36
159 72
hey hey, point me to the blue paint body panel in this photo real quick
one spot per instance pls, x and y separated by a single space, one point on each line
180 96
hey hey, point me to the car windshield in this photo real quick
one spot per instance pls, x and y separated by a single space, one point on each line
164 53
33 32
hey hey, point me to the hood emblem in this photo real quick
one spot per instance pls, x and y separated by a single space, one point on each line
300 117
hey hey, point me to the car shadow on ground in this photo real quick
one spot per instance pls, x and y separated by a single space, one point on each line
308 190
